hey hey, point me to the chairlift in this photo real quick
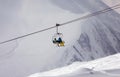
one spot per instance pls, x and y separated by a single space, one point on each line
58 38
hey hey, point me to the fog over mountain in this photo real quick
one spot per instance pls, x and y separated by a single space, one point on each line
85 40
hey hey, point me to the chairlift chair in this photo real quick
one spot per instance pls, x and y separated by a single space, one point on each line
58 38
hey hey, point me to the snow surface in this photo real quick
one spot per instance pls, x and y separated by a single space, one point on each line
104 67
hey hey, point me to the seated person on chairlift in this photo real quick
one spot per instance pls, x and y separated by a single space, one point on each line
57 41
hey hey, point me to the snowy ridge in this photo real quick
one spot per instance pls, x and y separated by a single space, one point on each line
103 66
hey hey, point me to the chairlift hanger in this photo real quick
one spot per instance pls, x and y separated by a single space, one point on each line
58 38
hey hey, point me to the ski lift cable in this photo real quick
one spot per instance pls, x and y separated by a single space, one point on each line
81 18
94 14
27 35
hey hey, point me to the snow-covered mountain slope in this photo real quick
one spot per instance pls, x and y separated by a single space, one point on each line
37 53
104 67
100 35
